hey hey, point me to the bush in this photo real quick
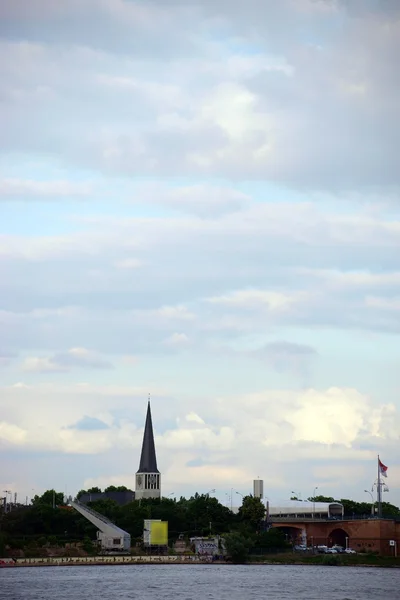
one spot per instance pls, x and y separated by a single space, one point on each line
332 560
237 547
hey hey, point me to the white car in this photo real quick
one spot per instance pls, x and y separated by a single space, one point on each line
350 551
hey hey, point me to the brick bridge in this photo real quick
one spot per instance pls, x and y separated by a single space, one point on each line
359 534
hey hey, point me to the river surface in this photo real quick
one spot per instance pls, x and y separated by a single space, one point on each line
199 582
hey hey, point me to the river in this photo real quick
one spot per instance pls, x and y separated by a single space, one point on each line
199 582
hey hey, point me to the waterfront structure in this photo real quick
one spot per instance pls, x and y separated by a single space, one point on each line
110 537
362 535
305 509
148 477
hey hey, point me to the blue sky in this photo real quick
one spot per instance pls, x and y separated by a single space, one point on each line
200 201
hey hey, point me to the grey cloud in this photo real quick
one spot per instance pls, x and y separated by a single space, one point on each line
290 250
329 122
89 424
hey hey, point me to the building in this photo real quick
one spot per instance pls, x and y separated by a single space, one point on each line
148 477
362 535
120 497
304 509
258 488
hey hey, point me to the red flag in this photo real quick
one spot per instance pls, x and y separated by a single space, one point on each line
382 468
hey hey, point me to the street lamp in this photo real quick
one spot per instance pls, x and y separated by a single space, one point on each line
210 492
372 501
6 492
315 489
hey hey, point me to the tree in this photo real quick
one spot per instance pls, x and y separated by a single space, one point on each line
50 497
237 547
119 488
321 499
274 538
252 511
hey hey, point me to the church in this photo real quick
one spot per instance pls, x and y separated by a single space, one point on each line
148 477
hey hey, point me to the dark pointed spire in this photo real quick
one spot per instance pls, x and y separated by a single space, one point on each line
148 459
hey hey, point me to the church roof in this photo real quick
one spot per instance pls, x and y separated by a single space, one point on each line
148 459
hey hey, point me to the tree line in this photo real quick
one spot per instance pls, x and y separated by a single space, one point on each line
48 520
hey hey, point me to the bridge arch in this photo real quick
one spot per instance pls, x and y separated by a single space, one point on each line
338 537
294 535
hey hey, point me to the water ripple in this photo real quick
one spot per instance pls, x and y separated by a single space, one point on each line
205 582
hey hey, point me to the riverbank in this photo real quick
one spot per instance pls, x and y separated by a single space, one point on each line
359 560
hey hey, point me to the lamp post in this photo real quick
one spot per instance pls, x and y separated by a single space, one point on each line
372 501
210 492
315 489
6 492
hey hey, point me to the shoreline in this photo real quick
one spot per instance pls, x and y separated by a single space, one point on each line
34 563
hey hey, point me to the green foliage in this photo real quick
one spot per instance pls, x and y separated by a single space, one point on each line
88 545
119 488
273 538
92 490
321 499
237 547
252 511
42 541
50 498
2 545
200 515
332 560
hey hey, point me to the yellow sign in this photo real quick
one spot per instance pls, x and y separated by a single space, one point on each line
159 533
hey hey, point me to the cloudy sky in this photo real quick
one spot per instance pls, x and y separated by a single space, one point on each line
200 200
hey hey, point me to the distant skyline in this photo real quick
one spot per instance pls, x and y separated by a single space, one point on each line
200 200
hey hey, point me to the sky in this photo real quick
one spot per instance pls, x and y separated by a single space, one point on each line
200 201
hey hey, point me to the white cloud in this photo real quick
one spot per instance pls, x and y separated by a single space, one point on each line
240 232
15 188
62 362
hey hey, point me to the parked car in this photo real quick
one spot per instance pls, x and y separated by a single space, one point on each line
350 551
339 549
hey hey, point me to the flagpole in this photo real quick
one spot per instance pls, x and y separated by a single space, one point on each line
379 491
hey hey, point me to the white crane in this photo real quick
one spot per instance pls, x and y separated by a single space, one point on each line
111 537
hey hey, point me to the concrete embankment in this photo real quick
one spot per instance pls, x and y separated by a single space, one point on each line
104 560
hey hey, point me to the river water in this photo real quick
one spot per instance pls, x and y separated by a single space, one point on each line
199 582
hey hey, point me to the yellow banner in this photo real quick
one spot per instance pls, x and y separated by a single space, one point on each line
159 533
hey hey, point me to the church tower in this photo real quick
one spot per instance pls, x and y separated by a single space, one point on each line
148 477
